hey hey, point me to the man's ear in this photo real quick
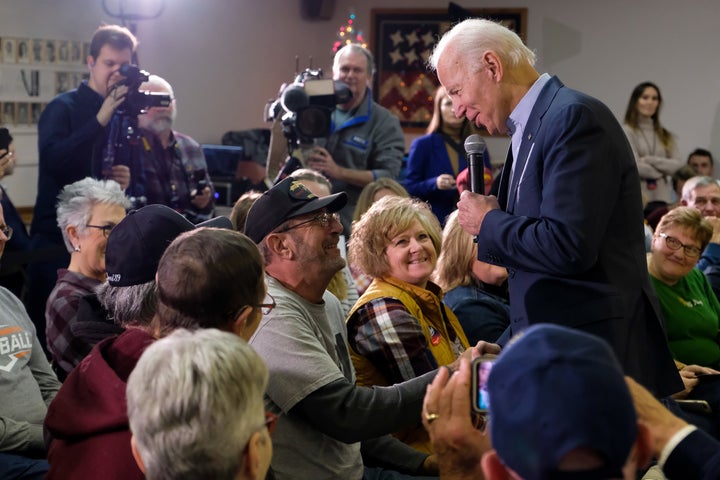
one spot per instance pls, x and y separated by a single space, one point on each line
136 454
239 324
279 245
493 468
493 65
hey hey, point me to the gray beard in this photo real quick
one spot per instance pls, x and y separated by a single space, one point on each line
161 124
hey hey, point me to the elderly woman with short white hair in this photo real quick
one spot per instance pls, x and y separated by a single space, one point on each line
87 211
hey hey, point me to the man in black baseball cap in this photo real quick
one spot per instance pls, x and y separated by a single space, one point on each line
303 340
286 200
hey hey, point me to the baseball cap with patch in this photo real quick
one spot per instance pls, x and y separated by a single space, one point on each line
288 199
137 243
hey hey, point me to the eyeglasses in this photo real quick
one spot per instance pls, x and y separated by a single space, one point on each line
323 220
7 231
106 229
267 307
675 244
270 421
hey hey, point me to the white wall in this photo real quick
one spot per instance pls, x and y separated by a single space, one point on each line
226 58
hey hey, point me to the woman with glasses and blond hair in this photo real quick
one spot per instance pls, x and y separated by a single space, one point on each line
689 306
86 211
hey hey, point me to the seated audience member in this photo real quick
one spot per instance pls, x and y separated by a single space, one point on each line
701 161
87 211
470 285
239 212
342 284
325 415
400 329
212 278
210 424
372 192
559 408
127 297
436 158
174 165
27 386
376 190
703 194
689 306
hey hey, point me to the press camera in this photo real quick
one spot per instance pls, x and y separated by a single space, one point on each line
136 100
306 105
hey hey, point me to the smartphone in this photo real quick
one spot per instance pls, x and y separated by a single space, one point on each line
480 369
696 406
5 138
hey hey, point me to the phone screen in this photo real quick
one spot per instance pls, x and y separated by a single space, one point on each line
5 138
481 368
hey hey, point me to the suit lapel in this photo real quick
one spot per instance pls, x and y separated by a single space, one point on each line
505 180
547 94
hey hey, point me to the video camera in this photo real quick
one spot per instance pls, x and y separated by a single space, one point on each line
137 101
306 105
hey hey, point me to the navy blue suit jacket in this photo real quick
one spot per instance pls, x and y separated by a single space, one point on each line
697 457
570 232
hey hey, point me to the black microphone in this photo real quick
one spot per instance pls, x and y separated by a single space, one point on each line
474 148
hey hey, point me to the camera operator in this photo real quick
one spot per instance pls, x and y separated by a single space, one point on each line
173 163
366 142
71 134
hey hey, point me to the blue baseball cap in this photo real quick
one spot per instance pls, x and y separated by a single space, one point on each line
552 390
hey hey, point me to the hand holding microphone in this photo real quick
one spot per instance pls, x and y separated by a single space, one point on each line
473 207
474 149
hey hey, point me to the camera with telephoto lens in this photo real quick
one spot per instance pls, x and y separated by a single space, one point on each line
306 105
136 100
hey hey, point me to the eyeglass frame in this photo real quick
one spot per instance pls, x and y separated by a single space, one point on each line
7 230
689 250
106 229
266 308
323 219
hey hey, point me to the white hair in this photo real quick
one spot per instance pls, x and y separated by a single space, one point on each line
76 201
163 85
194 400
694 183
472 38
128 305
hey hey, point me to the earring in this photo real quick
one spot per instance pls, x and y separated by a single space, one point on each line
76 248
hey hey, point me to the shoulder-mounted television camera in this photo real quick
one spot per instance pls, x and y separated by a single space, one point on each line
137 101
306 105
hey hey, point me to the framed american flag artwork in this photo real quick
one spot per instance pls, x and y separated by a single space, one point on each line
402 41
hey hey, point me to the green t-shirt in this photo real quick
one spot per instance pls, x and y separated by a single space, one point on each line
691 311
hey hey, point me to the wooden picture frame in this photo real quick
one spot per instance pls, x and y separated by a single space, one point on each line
402 41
